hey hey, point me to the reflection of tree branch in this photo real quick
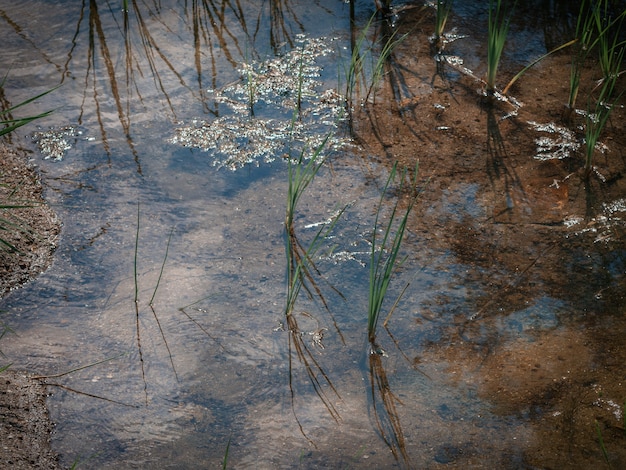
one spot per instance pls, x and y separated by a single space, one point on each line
19 30
96 30
279 33
387 418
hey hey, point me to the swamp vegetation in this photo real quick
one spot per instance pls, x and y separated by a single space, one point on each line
275 177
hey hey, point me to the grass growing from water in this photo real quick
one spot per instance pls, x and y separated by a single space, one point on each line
302 273
584 34
597 116
386 243
610 45
444 7
385 251
150 304
594 27
498 28
367 67
611 56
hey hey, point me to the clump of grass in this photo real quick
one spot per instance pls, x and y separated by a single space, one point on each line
9 123
594 27
611 56
301 273
444 7
300 259
610 48
598 115
584 35
367 67
385 251
498 28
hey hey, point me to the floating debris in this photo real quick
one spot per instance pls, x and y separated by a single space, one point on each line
605 227
276 110
55 142
561 146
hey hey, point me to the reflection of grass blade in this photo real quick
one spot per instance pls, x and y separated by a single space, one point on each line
313 368
167 249
605 453
387 418
384 254
183 310
300 274
151 303
136 302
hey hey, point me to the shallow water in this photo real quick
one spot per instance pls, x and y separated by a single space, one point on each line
190 328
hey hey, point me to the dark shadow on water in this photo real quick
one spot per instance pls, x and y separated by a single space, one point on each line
498 167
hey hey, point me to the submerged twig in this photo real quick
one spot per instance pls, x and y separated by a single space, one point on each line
55 376
136 302
91 395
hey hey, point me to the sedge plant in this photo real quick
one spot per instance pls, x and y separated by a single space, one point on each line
301 274
584 37
9 123
366 68
441 18
609 43
498 28
594 28
611 56
385 251
301 173
600 110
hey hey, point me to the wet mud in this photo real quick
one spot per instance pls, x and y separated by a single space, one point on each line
539 334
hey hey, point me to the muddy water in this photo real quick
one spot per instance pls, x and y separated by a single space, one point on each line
507 347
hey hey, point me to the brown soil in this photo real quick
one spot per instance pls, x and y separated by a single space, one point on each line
32 231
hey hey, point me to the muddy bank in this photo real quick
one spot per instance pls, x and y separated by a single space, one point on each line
25 427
